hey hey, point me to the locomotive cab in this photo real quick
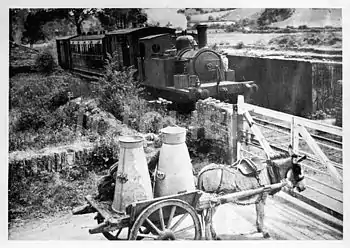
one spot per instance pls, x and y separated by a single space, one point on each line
155 63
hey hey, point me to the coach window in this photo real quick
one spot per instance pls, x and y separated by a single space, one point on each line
99 48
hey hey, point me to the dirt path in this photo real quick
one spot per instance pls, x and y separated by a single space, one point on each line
229 225
65 227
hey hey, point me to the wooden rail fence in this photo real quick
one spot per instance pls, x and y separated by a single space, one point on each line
261 132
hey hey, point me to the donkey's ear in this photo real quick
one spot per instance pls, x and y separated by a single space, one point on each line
301 159
290 150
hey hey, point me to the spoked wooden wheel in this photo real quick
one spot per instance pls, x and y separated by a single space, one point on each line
109 235
167 220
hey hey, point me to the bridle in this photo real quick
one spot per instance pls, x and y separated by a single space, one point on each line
296 168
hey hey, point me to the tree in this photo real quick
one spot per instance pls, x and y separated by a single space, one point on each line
210 18
33 25
78 15
121 18
28 23
17 20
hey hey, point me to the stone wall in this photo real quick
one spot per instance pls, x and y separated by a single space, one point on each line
324 79
297 87
212 120
338 100
28 164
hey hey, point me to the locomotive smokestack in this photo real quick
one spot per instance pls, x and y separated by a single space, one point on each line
202 35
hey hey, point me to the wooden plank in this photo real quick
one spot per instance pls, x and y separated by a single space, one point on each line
294 136
303 214
295 224
324 184
317 150
298 120
313 212
268 112
238 126
287 128
270 224
325 194
319 227
315 204
104 208
136 208
256 131
319 126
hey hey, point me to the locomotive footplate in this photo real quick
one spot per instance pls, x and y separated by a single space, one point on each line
192 94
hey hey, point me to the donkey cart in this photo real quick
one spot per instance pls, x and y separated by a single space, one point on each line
175 217
171 207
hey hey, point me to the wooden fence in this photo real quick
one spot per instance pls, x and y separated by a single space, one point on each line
263 132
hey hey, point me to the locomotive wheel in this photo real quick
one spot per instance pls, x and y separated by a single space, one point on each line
165 224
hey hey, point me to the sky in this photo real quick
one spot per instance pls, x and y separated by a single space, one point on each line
163 16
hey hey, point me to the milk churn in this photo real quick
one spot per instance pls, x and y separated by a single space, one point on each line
174 173
132 177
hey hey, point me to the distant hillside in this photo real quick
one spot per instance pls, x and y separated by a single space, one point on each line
239 14
312 18
214 15
282 18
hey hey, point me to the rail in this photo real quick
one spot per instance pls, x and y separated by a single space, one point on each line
263 132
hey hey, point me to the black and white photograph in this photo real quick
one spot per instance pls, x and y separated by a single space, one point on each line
173 123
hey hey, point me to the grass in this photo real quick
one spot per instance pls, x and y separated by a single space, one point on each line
35 117
49 193
330 39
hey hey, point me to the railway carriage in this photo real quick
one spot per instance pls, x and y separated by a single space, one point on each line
179 68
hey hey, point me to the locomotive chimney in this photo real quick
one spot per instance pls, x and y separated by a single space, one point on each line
202 35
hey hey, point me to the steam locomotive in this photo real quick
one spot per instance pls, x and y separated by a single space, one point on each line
179 68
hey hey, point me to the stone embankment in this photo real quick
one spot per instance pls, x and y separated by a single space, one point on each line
81 153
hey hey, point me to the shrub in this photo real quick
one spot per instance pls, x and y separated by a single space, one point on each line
214 47
104 155
303 27
120 94
151 122
36 119
239 45
45 62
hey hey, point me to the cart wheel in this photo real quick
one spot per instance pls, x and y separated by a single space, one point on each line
164 218
109 235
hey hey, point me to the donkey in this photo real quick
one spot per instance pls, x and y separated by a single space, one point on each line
249 174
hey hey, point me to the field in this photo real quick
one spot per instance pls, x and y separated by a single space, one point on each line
312 18
329 39
234 38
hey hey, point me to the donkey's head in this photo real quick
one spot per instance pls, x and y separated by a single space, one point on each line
291 170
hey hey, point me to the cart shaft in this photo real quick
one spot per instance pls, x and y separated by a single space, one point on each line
85 209
207 200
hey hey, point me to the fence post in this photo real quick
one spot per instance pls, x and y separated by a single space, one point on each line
294 135
317 151
256 131
237 127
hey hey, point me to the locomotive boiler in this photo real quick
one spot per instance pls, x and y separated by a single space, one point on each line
181 69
